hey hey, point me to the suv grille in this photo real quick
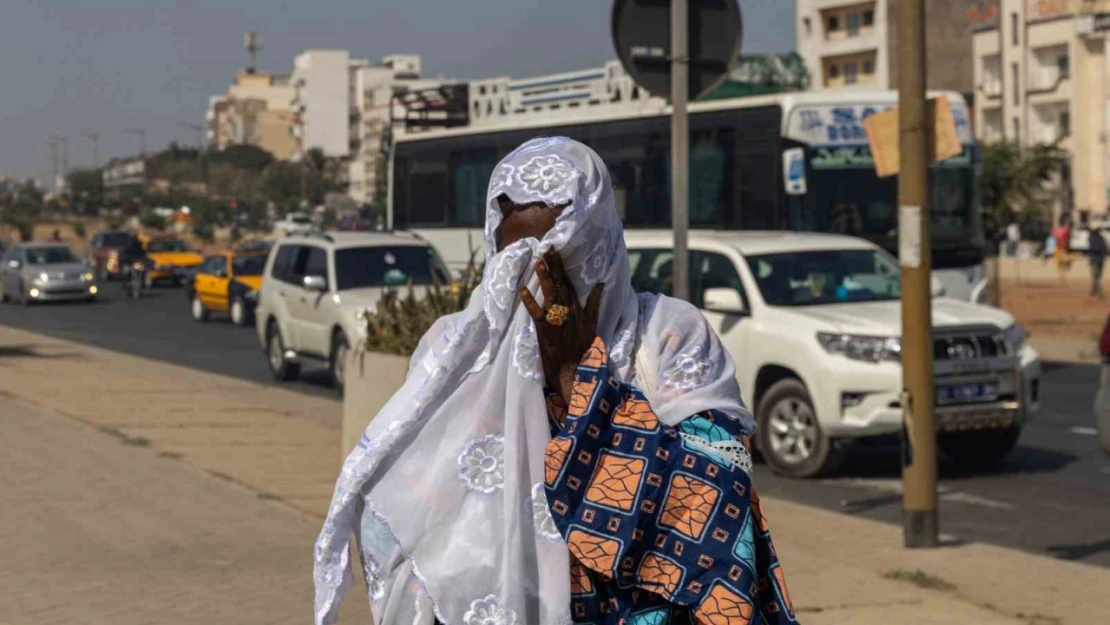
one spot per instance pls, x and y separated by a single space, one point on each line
970 345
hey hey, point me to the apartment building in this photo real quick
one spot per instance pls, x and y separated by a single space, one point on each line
255 110
1041 76
849 44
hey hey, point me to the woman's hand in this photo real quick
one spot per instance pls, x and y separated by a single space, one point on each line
565 330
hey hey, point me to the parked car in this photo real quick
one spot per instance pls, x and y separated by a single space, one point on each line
43 272
171 260
315 286
813 323
104 253
294 223
226 282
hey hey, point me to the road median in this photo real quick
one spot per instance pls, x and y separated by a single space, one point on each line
284 446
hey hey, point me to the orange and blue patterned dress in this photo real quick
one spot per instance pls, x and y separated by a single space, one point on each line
661 530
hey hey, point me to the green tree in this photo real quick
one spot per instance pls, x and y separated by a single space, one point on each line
21 208
245 157
86 186
1016 182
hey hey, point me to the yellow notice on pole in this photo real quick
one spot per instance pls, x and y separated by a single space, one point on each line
882 134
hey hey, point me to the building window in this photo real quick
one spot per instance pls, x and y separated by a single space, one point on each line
1014 29
853 24
851 73
834 70
833 23
868 67
1063 63
868 17
1017 129
1014 81
1065 123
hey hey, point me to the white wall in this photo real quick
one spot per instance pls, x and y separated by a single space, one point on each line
322 81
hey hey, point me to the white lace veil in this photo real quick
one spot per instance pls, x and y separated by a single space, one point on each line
445 490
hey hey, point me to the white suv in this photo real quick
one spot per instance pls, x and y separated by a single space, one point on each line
813 323
314 286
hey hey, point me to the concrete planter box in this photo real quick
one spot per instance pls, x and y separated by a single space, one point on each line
372 378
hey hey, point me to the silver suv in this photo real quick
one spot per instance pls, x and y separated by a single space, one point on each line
315 285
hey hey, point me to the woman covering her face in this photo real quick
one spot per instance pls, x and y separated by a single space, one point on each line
564 450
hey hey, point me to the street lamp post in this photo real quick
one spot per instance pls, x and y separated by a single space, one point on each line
94 138
141 134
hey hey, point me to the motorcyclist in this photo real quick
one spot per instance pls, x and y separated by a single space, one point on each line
134 251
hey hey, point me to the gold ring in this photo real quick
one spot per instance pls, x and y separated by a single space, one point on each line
557 315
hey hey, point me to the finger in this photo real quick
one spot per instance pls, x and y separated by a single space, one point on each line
593 304
534 309
547 286
559 276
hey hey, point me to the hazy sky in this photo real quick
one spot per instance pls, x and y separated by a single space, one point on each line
74 66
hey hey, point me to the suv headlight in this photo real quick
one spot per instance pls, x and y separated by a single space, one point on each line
863 348
1015 338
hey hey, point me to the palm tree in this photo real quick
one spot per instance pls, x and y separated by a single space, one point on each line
1016 181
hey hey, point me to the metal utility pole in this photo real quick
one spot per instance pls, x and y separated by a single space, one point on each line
919 466
141 133
95 138
680 147
62 141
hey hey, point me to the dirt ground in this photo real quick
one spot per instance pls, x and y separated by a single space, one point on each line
1061 319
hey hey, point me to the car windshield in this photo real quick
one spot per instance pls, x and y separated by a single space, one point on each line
248 265
115 239
299 219
826 277
49 256
168 245
360 267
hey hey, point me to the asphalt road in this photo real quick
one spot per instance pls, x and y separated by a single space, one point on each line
1051 497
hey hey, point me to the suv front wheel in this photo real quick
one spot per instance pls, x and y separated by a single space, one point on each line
280 367
339 349
789 436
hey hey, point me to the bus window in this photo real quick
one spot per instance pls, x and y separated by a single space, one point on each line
470 174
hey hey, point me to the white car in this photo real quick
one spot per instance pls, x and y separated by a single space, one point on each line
813 322
314 286
294 223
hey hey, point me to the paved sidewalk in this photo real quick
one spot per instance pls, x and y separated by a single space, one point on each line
235 545
95 530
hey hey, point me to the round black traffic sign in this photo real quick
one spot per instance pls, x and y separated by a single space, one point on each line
642 36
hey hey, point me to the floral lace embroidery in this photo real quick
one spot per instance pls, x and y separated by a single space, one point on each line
547 176
488 611
482 464
526 354
541 514
688 372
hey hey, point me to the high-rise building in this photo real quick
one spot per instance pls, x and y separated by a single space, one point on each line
849 44
1042 75
256 110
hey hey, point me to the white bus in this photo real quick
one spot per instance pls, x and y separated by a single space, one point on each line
796 161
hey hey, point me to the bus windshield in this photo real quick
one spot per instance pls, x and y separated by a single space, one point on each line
849 198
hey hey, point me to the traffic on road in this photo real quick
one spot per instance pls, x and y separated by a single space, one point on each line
792 308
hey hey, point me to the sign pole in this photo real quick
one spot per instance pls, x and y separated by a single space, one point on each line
680 147
919 467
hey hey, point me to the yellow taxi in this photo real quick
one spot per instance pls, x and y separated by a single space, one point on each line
171 260
226 283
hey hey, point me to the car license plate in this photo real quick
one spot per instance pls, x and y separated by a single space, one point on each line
965 393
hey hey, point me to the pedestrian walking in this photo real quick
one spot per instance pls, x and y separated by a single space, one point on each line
1049 247
1097 257
1062 233
557 462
